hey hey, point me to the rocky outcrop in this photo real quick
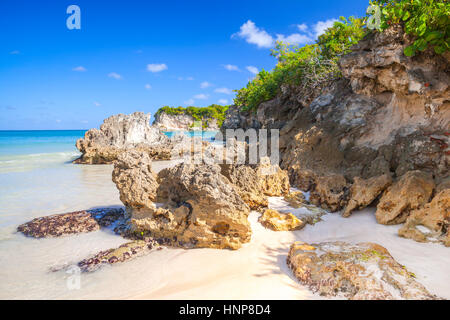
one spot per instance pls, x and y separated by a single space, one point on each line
277 221
119 134
72 223
198 207
364 271
412 191
256 182
430 223
364 191
330 192
135 179
181 122
125 252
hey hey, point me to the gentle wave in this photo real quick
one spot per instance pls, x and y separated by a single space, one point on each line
25 162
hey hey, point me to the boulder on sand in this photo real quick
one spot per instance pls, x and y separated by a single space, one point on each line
329 192
277 221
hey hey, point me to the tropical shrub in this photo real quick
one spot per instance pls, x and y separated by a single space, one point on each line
428 21
204 114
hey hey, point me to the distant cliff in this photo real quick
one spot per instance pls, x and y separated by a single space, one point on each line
179 118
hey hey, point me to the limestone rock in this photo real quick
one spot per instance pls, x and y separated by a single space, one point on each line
121 133
295 199
135 179
202 209
125 252
274 181
277 221
364 191
412 191
434 216
329 192
364 271
71 223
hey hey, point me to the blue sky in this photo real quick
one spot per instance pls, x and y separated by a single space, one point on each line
140 55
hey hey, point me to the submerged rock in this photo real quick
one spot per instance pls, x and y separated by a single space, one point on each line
434 217
329 192
71 223
125 252
120 133
364 191
277 221
364 271
412 191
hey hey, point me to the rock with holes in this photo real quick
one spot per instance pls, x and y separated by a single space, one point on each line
201 209
295 199
364 271
430 223
364 191
412 191
329 192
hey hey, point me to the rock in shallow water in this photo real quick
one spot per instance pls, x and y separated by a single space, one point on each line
71 223
277 221
364 271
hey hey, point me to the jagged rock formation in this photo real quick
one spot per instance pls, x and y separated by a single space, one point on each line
434 217
412 191
255 183
120 133
295 199
183 122
364 271
329 192
277 221
72 223
364 191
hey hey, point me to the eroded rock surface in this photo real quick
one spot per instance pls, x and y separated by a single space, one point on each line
412 191
277 221
364 271
330 192
120 133
430 223
71 223
295 199
364 191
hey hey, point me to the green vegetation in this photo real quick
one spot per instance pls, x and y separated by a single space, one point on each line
311 67
213 111
426 20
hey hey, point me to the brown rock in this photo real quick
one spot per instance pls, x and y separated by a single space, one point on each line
364 271
329 192
412 191
295 199
135 179
435 216
364 191
277 221
71 223
202 209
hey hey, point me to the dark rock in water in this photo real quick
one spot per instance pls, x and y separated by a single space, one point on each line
123 253
73 223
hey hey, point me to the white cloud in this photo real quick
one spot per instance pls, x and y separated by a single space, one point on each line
97 104
190 78
224 90
79 69
156 67
223 101
205 84
115 76
201 96
84 121
320 27
15 52
148 86
231 67
254 35
294 38
252 69
302 27
58 121
189 102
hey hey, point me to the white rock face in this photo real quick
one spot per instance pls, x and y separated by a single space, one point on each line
180 122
